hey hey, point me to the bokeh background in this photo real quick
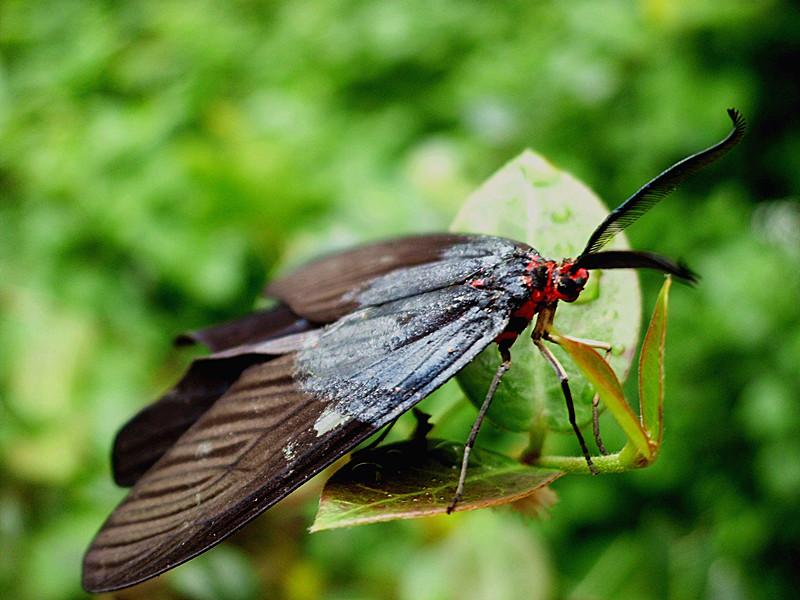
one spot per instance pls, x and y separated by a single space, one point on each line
160 160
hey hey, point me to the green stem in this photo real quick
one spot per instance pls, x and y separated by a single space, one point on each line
627 459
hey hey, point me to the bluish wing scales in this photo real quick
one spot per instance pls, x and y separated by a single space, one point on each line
332 287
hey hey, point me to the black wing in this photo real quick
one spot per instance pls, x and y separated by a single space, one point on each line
286 419
331 287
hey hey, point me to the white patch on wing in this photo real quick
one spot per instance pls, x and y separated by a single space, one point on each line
204 448
330 420
289 451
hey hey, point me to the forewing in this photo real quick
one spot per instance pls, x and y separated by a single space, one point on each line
331 287
285 420
390 356
232 463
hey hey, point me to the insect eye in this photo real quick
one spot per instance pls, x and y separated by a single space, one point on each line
570 287
566 286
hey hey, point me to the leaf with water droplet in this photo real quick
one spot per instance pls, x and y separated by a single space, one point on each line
531 200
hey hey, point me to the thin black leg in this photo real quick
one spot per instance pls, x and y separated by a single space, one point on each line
462 478
596 399
562 377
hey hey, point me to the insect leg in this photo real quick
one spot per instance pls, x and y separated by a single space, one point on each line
562 376
462 478
596 400
596 424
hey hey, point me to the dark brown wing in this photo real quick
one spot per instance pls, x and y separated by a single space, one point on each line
254 327
214 479
239 344
286 419
331 287
153 431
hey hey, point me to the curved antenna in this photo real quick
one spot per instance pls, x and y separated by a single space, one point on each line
656 189
628 259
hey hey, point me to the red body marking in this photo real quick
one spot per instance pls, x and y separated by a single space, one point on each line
561 283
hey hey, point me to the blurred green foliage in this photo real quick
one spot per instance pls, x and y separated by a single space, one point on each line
160 160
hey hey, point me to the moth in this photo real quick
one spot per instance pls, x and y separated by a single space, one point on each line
356 339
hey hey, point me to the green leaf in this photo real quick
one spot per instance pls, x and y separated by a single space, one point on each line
532 201
414 479
651 368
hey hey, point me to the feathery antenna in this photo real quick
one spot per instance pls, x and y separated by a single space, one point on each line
652 192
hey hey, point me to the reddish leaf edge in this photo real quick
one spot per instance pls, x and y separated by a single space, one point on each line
409 480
